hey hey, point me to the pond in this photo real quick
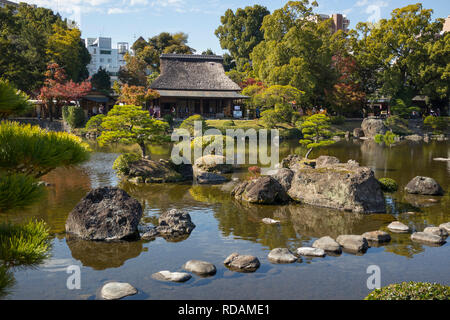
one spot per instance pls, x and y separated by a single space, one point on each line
224 226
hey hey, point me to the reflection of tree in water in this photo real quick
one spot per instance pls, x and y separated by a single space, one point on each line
209 193
244 222
402 245
68 186
7 280
318 222
101 255
162 196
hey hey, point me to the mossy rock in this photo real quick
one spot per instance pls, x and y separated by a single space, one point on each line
388 184
411 291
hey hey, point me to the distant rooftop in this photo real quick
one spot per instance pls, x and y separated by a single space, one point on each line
191 57
193 72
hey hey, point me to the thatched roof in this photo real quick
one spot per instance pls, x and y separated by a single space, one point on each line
193 72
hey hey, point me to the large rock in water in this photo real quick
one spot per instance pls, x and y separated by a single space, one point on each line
105 214
424 185
343 186
284 177
173 224
371 127
210 169
264 190
151 171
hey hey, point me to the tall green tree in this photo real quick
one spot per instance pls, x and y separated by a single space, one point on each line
296 51
101 80
240 32
28 44
404 55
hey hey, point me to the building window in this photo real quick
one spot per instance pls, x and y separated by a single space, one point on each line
105 51
109 60
101 59
95 50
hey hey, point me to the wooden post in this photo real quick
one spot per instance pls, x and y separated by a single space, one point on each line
201 106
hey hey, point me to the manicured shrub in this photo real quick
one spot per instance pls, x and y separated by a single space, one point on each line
24 244
388 138
12 101
74 116
437 124
95 123
388 184
211 141
188 123
34 151
397 125
411 291
121 164
18 190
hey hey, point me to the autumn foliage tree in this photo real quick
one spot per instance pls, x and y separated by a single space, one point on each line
137 95
57 91
346 96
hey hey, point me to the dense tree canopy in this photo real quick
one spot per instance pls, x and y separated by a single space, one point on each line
31 38
296 51
240 32
145 60
405 55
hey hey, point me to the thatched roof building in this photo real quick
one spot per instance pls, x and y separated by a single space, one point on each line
195 84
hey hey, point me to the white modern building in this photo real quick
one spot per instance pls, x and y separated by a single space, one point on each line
104 56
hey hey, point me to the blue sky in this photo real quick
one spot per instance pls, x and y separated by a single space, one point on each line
125 20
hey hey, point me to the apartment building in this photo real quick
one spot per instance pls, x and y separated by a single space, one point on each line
104 56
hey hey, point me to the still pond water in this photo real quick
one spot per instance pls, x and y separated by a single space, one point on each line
224 226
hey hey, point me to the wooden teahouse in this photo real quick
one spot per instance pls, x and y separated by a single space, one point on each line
195 84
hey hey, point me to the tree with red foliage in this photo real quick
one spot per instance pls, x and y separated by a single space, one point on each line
346 96
137 95
250 82
57 91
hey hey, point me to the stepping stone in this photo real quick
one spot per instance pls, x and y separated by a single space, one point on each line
445 226
437 231
117 290
377 236
328 244
242 263
171 276
270 221
201 268
281 255
398 227
311 252
353 243
427 238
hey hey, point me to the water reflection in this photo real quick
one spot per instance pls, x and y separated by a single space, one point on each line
101 255
300 224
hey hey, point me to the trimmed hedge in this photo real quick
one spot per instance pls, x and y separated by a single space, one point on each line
121 164
411 291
